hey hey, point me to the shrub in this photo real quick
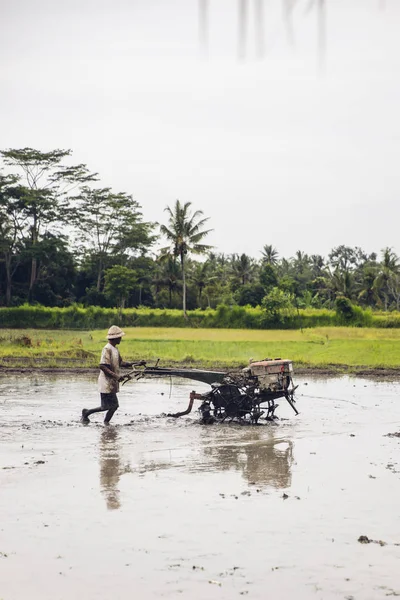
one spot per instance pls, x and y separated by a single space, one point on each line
223 317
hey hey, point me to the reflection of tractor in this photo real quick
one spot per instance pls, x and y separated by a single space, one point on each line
245 396
262 460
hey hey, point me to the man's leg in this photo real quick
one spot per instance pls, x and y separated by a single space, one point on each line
109 415
87 412
112 405
91 411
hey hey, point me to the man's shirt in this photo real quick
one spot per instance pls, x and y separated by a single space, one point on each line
109 356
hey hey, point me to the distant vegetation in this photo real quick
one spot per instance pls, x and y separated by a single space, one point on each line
223 317
68 244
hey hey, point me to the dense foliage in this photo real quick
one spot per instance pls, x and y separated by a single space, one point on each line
223 317
64 241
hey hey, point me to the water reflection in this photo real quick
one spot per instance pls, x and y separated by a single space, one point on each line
203 24
257 7
111 467
260 456
262 461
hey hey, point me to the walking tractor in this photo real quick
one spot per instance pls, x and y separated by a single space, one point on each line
244 396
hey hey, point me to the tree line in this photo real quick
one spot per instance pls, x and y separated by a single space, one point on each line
66 240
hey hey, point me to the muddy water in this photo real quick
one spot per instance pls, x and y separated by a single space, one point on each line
154 507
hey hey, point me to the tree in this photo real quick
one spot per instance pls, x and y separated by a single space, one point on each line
243 268
317 265
11 228
250 294
44 185
118 282
145 268
184 232
202 277
268 277
343 258
168 276
368 294
109 225
277 304
269 255
56 272
385 282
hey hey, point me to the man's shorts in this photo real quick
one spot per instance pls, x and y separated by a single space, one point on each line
109 401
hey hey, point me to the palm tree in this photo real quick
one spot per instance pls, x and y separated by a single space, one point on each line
184 232
342 283
317 264
201 276
385 281
168 276
243 268
269 255
368 294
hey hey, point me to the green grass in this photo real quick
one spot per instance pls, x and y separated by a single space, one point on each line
224 348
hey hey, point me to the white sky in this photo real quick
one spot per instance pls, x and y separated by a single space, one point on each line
271 150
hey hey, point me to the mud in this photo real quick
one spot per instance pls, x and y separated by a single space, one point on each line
41 366
155 507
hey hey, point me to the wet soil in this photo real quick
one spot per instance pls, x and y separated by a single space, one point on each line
42 366
155 507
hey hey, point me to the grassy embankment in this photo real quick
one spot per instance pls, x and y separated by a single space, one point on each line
326 347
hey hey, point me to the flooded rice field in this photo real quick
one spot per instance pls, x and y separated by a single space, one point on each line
153 507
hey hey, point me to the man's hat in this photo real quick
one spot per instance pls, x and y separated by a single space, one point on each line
114 332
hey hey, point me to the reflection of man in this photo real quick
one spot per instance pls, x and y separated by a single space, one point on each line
110 467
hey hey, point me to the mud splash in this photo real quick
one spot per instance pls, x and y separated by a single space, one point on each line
156 507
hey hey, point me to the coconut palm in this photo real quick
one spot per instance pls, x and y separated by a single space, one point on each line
243 268
368 293
168 276
184 232
301 262
389 269
317 264
269 255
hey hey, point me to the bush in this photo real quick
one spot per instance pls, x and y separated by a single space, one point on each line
349 314
223 317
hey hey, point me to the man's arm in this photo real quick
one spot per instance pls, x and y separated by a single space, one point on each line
108 372
128 365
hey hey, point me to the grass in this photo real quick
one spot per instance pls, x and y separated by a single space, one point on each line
339 347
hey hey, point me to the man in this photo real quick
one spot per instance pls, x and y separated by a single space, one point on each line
109 376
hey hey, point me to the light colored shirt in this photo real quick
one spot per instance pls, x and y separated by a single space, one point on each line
109 356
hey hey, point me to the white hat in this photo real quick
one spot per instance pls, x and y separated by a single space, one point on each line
114 332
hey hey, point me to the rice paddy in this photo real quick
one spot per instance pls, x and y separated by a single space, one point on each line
337 347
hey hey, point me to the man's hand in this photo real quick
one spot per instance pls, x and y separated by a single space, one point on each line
140 363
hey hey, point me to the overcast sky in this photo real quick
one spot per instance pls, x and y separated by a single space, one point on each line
273 150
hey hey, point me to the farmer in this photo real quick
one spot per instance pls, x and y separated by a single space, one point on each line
109 376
